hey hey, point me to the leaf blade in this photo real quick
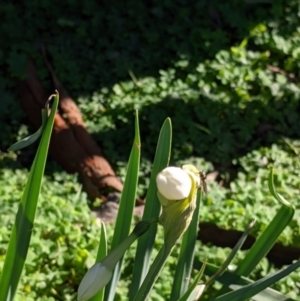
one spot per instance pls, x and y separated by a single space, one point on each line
22 229
152 209
126 205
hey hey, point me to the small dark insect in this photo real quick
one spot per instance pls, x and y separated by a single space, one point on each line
203 185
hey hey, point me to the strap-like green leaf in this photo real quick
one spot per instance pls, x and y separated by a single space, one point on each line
195 288
151 210
126 206
232 254
102 252
229 279
32 138
267 239
22 229
250 290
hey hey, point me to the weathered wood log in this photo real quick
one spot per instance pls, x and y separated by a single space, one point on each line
71 145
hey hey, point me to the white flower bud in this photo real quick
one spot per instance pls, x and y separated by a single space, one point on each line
174 183
93 281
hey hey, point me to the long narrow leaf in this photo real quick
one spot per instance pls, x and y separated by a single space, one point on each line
250 290
192 293
102 252
32 138
267 239
231 280
151 210
126 206
186 255
232 254
22 229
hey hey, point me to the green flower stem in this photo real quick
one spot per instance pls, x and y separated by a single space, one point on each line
171 238
156 267
175 218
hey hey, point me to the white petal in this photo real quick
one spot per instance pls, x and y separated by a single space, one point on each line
93 281
174 183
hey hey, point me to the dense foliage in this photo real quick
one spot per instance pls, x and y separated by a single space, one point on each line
226 73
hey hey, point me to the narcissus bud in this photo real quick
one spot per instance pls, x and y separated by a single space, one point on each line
174 183
96 278
177 190
100 273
